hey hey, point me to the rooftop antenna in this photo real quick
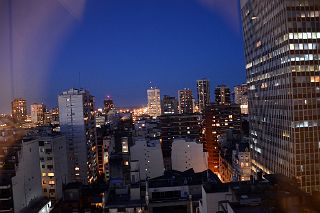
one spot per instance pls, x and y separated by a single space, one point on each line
79 77
11 49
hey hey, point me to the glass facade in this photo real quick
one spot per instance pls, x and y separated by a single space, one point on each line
282 39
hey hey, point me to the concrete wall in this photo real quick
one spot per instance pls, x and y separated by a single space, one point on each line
26 185
186 155
149 155
210 201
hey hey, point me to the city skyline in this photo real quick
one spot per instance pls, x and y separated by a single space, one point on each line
168 106
194 42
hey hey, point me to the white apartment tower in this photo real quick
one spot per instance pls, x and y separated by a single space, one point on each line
77 123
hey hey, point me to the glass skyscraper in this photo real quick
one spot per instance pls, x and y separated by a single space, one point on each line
282 39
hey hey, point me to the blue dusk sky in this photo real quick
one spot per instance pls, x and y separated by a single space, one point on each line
117 47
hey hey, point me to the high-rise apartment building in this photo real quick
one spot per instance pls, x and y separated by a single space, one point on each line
169 105
241 97
154 102
77 123
38 113
203 92
53 165
19 109
20 178
218 118
222 94
108 104
186 101
282 51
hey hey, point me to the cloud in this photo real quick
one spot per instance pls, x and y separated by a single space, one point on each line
228 9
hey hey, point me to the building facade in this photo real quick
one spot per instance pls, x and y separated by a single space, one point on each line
169 105
108 105
53 165
188 154
218 118
282 39
154 102
186 126
38 113
77 123
241 97
203 92
146 160
19 109
20 181
186 101
222 94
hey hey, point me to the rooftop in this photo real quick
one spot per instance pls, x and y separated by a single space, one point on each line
188 177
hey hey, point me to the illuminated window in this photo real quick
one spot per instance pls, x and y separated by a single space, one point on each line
50 174
77 168
315 79
44 174
51 182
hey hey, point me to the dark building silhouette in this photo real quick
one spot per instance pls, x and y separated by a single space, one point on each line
203 93
108 104
169 105
178 126
222 95
185 101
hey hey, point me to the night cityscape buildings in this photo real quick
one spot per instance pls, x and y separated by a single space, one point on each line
186 101
241 97
38 113
169 105
203 93
218 118
108 104
19 109
154 102
253 148
282 66
77 123
222 94
181 126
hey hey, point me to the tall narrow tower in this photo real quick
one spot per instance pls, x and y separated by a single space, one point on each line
19 109
185 101
77 123
222 93
154 102
203 92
